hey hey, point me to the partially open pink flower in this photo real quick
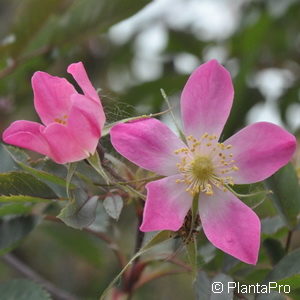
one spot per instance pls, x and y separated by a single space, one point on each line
72 121
203 166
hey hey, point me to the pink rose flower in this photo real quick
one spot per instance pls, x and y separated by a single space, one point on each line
203 166
72 122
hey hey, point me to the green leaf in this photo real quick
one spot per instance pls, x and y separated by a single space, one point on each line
287 271
15 209
20 158
12 230
286 194
192 253
207 252
7 163
155 240
19 183
79 212
213 289
22 199
22 289
113 205
101 221
71 171
95 162
271 225
274 250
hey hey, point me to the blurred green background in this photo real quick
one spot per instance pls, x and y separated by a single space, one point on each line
131 49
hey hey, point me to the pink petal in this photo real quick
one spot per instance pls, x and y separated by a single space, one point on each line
78 72
27 135
52 96
206 100
148 143
166 205
259 150
85 122
63 145
230 225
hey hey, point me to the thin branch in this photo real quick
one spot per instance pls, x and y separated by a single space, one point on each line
25 270
288 241
155 275
146 179
102 236
179 263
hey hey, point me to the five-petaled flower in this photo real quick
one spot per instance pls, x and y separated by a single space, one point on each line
72 122
203 166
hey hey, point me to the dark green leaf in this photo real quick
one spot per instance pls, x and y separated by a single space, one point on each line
7 163
192 253
79 212
22 199
20 159
286 194
18 183
287 271
271 225
12 230
22 289
102 219
274 249
113 205
15 209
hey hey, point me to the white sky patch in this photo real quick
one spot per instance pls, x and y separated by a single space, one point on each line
215 52
264 112
272 82
293 116
185 63
152 40
205 18
209 21
146 69
119 79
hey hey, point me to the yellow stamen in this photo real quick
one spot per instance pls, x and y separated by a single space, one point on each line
203 167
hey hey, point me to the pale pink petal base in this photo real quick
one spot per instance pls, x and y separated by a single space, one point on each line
148 143
206 100
166 205
28 135
230 225
63 145
85 121
259 150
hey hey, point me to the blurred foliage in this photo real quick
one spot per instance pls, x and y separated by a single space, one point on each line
49 35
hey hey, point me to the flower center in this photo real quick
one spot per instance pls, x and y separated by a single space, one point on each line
205 164
62 120
202 167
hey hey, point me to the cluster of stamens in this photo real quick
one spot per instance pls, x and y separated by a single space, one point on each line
205 163
62 120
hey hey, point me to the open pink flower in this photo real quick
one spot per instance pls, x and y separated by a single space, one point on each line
72 121
203 166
